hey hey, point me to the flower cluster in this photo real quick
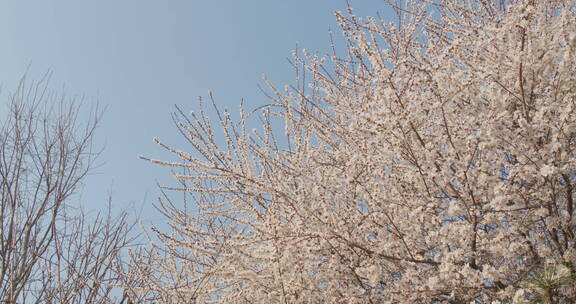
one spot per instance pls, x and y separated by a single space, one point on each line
433 163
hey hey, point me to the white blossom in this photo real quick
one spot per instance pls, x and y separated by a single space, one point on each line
433 163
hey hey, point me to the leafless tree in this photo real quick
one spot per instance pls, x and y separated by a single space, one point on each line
50 250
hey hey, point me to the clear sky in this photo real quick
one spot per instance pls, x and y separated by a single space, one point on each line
140 57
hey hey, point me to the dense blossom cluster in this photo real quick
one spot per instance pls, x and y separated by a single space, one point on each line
434 163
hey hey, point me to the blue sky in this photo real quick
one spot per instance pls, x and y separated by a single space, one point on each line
139 58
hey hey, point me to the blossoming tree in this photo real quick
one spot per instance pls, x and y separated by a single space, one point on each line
433 163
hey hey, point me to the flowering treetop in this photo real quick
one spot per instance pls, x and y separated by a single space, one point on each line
434 163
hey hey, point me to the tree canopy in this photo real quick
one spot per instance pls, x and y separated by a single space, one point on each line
433 162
